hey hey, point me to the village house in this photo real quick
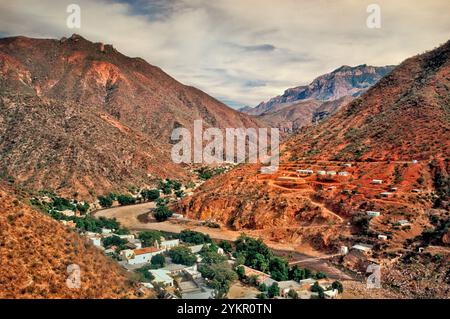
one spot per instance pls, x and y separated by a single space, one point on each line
330 294
192 272
321 172
377 181
127 237
343 250
177 216
168 244
403 222
343 173
386 194
162 277
331 173
372 213
68 213
348 165
96 240
382 237
363 247
139 256
196 249
305 171
287 285
106 231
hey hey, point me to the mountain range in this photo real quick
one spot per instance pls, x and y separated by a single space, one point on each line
81 116
303 105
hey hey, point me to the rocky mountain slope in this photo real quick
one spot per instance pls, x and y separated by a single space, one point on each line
80 116
299 106
404 117
36 250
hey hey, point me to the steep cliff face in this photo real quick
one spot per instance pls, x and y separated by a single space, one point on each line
80 116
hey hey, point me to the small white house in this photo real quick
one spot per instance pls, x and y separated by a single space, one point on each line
362 247
321 173
96 240
162 276
403 222
348 165
177 216
372 213
140 256
377 181
127 237
343 173
386 194
382 237
331 173
330 294
68 213
305 171
168 244
106 231
343 250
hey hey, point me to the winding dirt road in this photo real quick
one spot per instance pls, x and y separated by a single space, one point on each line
128 217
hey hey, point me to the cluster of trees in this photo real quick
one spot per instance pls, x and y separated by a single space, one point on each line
144 274
168 185
110 241
193 237
162 213
182 255
206 173
150 237
158 261
150 195
255 254
216 270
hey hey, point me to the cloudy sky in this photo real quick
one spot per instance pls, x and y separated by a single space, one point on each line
242 51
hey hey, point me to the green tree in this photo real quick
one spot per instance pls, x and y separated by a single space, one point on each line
105 201
338 285
318 288
182 255
158 261
162 213
150 237
226 246
83 208
240 271
126 200
113 241
296 273
220 276
193 237
263 287
293 294
144 274
150 194
273 290
279 269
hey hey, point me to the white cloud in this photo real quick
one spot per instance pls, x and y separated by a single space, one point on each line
243 50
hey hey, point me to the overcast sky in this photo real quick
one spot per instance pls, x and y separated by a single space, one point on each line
242 51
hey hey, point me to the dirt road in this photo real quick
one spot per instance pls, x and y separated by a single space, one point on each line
128 217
